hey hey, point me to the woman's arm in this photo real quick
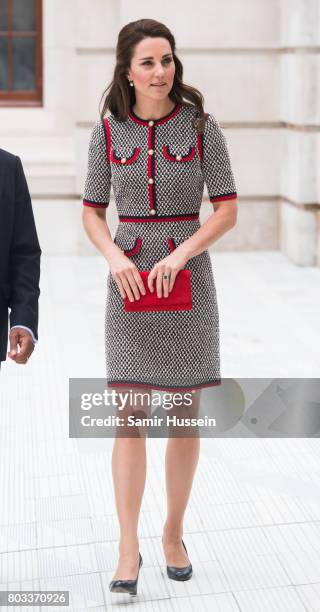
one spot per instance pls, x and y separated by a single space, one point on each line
96 201
96 226
124 272
220 222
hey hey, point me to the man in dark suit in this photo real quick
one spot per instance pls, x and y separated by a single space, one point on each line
19 263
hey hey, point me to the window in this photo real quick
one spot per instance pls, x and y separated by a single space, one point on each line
20 52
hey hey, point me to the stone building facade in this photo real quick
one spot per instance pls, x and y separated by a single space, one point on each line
257 64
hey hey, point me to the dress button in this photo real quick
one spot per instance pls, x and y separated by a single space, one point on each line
150 180
178 157
123 160
150 151
151 123
152 211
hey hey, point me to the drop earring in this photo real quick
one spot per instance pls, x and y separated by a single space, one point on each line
131 83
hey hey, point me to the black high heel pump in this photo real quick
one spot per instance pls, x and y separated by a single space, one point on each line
126 586
180 573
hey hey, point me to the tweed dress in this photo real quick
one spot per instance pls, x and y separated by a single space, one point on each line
157 169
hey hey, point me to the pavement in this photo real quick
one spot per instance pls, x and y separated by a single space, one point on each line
252 526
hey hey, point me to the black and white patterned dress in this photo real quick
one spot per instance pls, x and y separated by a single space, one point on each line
157 169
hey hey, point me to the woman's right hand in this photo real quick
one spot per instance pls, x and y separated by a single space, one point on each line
127 277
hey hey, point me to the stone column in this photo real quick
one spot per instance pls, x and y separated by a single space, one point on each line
300 113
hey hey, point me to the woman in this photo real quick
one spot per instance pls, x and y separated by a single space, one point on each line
157 150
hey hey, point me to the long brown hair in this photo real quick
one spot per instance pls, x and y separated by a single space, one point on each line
119 96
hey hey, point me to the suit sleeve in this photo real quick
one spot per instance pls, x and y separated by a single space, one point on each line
24 258
217 171
98 180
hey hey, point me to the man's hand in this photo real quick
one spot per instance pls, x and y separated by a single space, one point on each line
20 339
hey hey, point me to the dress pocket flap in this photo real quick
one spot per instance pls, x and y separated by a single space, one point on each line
179 157
128 244
124 159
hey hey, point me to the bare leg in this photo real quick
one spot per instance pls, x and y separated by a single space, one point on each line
129 476
182 456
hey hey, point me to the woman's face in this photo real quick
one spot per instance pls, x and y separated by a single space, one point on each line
152 63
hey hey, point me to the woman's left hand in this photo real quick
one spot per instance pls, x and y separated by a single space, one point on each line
169 265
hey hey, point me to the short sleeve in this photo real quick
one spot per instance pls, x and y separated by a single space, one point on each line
98 180
217 171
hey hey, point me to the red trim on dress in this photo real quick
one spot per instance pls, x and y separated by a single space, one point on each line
149 169
129 160
95 204
154 219
230 196
199 140
135 249
107 126
174 112
171 244
173 158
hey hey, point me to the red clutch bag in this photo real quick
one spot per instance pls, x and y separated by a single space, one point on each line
180 298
